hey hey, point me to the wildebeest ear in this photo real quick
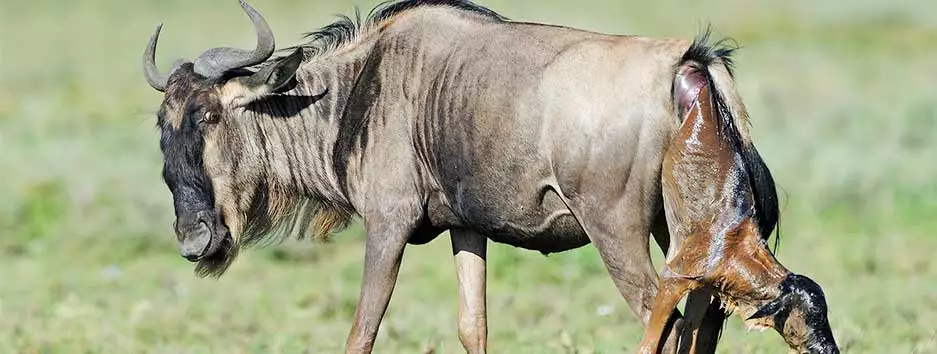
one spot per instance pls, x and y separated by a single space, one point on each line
275 75
268 80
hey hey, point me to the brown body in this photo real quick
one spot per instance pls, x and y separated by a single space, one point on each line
438 115
716 241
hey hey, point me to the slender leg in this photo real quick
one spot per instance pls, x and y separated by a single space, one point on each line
383 253
697 304
671 290
683 334
703 322
469 249
708 335
622 238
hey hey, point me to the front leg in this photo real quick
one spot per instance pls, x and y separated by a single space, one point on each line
469 249
702 322
672 289
383 253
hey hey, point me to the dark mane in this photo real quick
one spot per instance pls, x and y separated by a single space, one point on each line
346 29
704 53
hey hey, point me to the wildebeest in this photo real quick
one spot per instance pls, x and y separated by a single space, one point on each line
436 115
721 208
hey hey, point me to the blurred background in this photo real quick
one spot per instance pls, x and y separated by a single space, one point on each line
843 106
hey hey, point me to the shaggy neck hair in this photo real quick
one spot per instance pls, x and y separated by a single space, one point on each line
281 164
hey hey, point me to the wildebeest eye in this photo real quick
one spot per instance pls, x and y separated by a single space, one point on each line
210 118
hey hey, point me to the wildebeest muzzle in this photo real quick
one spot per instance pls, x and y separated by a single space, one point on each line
200 234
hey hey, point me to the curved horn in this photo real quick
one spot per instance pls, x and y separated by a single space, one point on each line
214 62
150 71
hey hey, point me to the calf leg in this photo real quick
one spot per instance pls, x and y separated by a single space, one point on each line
701 323
707 334
703 318
383 253
469 249
672 289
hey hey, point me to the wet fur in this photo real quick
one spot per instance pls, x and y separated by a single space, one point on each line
801 313
721 205
702 54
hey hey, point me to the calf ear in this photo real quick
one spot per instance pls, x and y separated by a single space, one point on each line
770 309
266 81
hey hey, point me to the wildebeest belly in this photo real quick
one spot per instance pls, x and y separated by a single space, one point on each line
545 225
562 234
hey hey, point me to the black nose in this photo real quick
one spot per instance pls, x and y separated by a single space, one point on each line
195 236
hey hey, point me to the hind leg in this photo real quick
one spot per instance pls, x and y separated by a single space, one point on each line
621 235
469 250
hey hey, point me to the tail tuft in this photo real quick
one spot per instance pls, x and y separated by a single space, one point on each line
706 54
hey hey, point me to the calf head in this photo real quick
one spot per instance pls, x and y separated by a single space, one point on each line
799 313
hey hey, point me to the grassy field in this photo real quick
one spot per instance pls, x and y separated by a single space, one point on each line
844 110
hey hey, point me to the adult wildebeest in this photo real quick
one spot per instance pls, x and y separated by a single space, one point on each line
443 115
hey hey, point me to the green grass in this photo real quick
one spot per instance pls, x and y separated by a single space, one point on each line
843 106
